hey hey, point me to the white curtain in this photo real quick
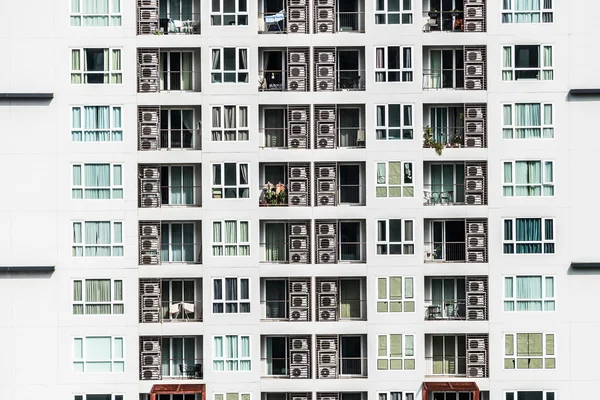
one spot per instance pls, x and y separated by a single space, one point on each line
528 175
529 116
218 363
76 66
217 239
231 238
548 73
77 297
527 11
245 364
548 132
507 132
117 181
217 134
244 249
97 291
244 192
95 13
231 353
96 124
509 304
97 181
115 77
243 123
529 293
77 239
507 74
117 133
97 234
216 66
77 191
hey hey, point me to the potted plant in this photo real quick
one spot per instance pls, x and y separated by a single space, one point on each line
438 147
433 13
455 13
457 140
427 137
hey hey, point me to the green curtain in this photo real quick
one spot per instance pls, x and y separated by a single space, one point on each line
528 230
382 363
275 246
395 293
394 178
382 306
435 60
436 182
395 351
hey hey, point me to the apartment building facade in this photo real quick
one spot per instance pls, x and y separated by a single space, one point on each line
298 200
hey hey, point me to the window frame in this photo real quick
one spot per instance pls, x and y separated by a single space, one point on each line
511 71
113 396
114 244
403 357
239 187
236 72
384 14
248 395
385 128
115 131
403 395
508 15
545 393
542 127
402 186
514 242
403 300
238 245
111 15
221 131
513 185
112 187
405 244
109 74
545 299
83 361
237 360
113 301
405 73
220 14
238 302
544 356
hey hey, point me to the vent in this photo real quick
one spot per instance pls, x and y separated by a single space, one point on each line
325 14
300 301
299 315
149 58
297 15
297 71
325 57
297 85
299 357
325 27
325 71
298 199
298 143
327 372
475 228
298 172
297 27
475 171
150 317
298 3
299 115
147 144
474 83
325 85
327 344
299 287
326 243
326 229
150 360
150 346
474 71
149 231
327 257
152 373
474 12
326 172
327 301
476 287
298 229
298 129
299 372
476 314
326 200
328 287
149 259
474 113
328 359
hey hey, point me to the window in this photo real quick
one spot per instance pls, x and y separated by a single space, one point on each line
95 12
395 396
177 185
178 242
524 62
233 120
529 351
529 236
229 65
234 300
393 64
530 121
232 396
96 124
394 121
98 354
529 395
393 12
527 12
231 353
97 239
97 181
394 179
230 181
229 12
98 397
92 66
389 294
389 352
529 293
98 296
393 239
528 178
176 70
230 238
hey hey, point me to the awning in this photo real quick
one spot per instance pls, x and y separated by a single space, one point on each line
585 265
450 386
584 92
177 389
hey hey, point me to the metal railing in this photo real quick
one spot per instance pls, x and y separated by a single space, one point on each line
445 21
350 137
179 81
180 139
450 78
183 23
352 252
351 195
353 367
350 80
277 310
446 365
351 21
181 253
448 136
273 195
276 138
181 196
445 252
272 81
185 311
446 309
277 367
443 194
183 368
272 22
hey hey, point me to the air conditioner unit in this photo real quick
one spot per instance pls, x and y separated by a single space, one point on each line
298 243
326 57
325 85
149 59
298 257
326 172
476 314
474 127
475 228
298 115
473 70
474 185
476 300
299 287
298 199
299 229
326 344
327 396
326 257
149 231
476 344
299 372
476 287
150 289
327 359
150 360
474 84
150 316
299 357
475 171
325 129
150 244
326 200
326 243
473 12
149 73
297 71
150 303
328 286
327 301
150 173
149 201
297 14
474 199
149 259
149 130
327 372
474 113
325 27
297 3
148 3
298 301
325 71
148 15
325 185
326 115
324 3
476 372
148 28
473 141
298 129
476 241
150 346
474 26
475 2
298 143
148 86
150 187
475 256
297 27
299 315
151 373
324 228
297 85
474 56
297 397
298 172
324 15
299 344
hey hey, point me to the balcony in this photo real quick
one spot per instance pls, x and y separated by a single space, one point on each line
181 17
173 242
341 299
454 17
339 69
285 299
171 357
285 184
170 300
340 184
285 127
456 355
286 357
456 241
463 183
168 70
170 186
320 396
169 128
454 68
285 242
346 16
456 298
284 69
340 241
341 356
339 126
454 125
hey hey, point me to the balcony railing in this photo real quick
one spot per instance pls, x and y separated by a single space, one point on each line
272 22
445 252
179 24
445 21
351 21
447 136
181 311
447 309
446 365
181 196
275 310
272 81
350 80
180 139
443 194
351 252
350 137
351 195
179 81
273 195
183 368
353 367
450 78
181 253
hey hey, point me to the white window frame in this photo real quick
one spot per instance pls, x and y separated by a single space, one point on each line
407 247
544 300
222 245
402 300
509 131
511 184
170 245
403 358
239 186
399 395
113 294
112 15
115 130
513 241
240 132
545 13
237 71
112 188
224 359
114 245
384 14
115 77
113 359
402 185
404 128
406 73
83 396
238 302
219 15
544 393
240 395
509 72
545 355
167 84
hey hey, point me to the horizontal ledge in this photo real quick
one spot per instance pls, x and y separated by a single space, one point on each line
22 268
26 96
586 265
584 92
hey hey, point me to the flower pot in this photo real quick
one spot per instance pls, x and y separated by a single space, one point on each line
433 14
457 145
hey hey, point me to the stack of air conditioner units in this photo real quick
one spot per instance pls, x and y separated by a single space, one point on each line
148 128
328 396
299 299
326 234
150 358
149 300
324 16
325 131
297 13
474 15
327 357
475 68
148 71
477 289
324 69
147 17
299 242
326 175
298 127
327 300
300 357
475 125
149 243
476 183
299 184
297 70
477 346
149 186
476 237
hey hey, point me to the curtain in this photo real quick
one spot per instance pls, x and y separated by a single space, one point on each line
165 239
245 364
548 74
243 123
115 20
75 9
507 132
407 75
381 180
117 181
529 293
218 364
217 238
407 132
96 124
548 132
548 178
187 78
528 115
176 186
437 293
507 16
76 66
528 178
231 238
97 177
275 245
76 134
105 65
118 296
436 182
115 77
217 135
230 122
394 178
187 192
507 74
274 127
435 73
509 305
380 64
508 179
549 294
77 297
528 230
95 12
97 291
216 66
231 353
117 133
349 124
77 192
244 249
97 233
77 239
118 238
521 11
380 116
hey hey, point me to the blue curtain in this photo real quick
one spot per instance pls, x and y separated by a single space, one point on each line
509 248
528 177
97 176
529 230
549 235
96 124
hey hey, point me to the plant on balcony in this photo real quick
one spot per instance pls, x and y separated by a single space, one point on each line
457 140
455 13
427 136
273 195
438 147
158 32
433 13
